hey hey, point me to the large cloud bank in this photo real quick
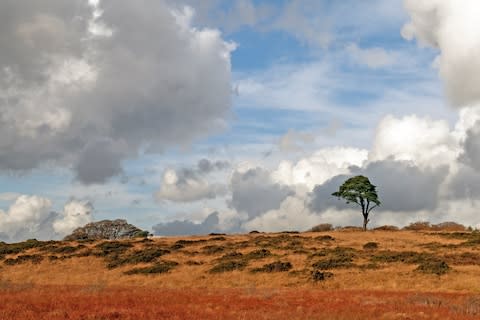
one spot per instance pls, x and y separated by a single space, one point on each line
87 84
33 217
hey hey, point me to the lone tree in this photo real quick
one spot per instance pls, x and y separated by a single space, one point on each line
359 190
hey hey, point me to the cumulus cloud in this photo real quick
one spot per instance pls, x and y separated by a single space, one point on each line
185 227
90 84
186 186
424 141
191 184
452 27
254 192
320 166
33 217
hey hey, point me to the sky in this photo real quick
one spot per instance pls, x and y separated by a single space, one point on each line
199 116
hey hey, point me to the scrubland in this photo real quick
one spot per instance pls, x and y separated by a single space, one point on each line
341 274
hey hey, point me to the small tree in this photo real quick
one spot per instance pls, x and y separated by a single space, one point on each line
359 190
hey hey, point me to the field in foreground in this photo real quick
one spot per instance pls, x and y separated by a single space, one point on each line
52 302
328 275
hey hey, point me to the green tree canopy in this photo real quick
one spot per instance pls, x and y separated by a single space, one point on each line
359 190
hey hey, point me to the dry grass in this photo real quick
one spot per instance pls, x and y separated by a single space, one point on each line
403 261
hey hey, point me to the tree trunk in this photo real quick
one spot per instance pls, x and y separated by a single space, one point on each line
365 222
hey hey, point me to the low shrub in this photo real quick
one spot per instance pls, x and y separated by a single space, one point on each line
217 234
333 263
213 249
193 263
190 242
418 226
448 226
277 266
16 248
370 246
325 238
323 227
350 228
254 232
112 248
218 239
321 275
409 257
229 266
438 267
258 254
138 256
34 258
159 267
386 228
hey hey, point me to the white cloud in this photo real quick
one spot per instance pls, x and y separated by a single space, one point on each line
121 78
75 214
187 186
320 166
33 217
423 141
452 27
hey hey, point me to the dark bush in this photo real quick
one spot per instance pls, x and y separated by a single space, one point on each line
141 234
190 242
177 246
277 266
448 226
113 247
213 249
193 263
217 234
254 232
370 246
229 266
339 257
437 267
231 256
418 226
15 248
139 256
409 257
159 267
322 227
218 239
258 254
34 258
321 276
325 238
386 228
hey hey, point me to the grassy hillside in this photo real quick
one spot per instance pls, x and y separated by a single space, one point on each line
401 264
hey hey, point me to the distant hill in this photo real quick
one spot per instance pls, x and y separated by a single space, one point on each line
106 229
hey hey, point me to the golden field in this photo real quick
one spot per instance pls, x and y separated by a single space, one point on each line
314 275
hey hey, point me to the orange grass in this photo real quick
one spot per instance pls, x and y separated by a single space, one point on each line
76 302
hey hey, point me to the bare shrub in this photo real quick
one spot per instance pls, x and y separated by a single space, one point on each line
323 227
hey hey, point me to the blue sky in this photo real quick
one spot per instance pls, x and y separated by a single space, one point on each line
304 76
